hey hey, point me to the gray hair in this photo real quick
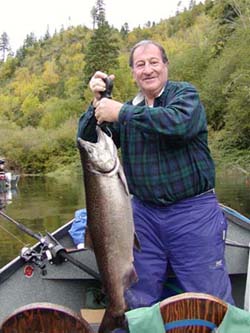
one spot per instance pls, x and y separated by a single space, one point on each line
147 42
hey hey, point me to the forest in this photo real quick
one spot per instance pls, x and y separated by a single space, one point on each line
44 85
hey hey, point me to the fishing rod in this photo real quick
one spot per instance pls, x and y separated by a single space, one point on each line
51 247
22 227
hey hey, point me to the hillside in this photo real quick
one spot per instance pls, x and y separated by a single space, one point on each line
43 88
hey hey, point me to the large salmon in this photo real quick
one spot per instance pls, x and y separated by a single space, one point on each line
110 223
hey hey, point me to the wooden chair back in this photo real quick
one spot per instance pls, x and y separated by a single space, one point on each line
45 318
192 313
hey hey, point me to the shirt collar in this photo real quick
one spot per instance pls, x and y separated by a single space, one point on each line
140 97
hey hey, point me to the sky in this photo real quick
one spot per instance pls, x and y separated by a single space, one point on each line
19 18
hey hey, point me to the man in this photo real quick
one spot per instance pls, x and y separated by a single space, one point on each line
162 133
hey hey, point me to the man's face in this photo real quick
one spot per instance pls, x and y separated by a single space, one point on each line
149 71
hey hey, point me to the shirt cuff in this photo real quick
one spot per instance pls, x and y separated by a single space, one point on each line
125 114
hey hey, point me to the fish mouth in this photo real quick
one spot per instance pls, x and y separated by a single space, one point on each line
101 134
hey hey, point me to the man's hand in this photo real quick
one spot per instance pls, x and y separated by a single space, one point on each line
97 85
107 110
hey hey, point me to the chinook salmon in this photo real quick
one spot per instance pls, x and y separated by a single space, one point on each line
109 223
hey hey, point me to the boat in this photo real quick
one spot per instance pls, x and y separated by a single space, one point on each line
8 181
55 272
7 196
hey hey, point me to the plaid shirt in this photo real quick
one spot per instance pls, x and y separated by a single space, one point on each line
164 148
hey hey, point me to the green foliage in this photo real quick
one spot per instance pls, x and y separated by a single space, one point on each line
102 52
188 65
124 30
225 82
31 111
7 70
213 90
124 86
9 106
66 152
238 115
43 89
57 111
38 150
183 21
226 14
224 155
100 13
5 48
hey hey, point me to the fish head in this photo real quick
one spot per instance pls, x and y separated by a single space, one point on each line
101 155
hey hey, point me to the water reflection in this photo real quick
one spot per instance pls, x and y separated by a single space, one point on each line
6 197
44 204
234 190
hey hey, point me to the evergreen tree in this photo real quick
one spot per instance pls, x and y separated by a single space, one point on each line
191 4
226 15
100 12
4 46
124 30
47 34
102 50
30 40
93 14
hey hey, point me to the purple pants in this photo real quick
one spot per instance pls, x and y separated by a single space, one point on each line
190 235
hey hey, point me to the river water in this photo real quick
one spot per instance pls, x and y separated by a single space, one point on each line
45 203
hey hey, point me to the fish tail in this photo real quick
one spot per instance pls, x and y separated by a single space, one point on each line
109 323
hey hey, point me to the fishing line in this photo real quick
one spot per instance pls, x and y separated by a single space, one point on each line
11 234
21 226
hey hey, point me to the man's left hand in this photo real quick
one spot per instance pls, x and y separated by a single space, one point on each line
107 110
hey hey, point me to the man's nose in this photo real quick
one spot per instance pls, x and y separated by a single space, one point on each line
147 67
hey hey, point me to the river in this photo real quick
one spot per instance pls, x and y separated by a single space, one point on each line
45 203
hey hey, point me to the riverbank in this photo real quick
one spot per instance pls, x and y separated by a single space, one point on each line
228 160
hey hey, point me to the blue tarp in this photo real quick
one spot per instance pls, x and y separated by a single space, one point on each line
78 228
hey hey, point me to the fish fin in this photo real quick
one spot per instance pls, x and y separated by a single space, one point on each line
137 244
109 323
133 277
130 277
123 179
88 240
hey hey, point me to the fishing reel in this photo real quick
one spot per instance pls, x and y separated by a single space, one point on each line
32 256
54 250
49 250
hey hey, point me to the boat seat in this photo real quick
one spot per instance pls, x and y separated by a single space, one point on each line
45 318
192 312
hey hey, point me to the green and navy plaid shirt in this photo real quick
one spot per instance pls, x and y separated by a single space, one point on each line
164 148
